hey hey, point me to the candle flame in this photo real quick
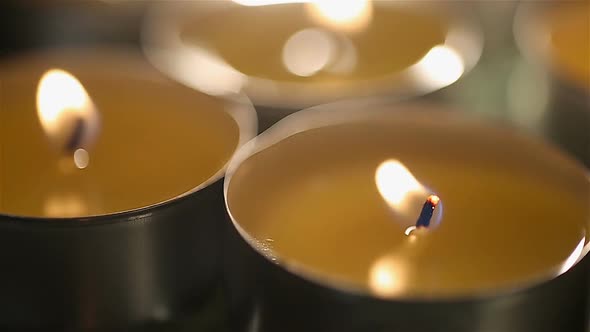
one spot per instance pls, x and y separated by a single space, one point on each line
253 3
346 15
66 113
405 195
396 183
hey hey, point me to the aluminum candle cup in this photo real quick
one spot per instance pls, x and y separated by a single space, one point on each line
364 217
313 52
110 190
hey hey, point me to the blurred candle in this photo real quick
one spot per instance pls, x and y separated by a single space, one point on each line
339 197
83 138
109 190
313 51
569 45
557 35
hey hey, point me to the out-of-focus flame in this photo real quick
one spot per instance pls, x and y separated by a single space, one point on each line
266 2
404 194
347 15
441 66
66 113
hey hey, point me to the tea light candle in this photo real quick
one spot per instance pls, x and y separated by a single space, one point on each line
557 35
313 51
141 151
404 212
109 189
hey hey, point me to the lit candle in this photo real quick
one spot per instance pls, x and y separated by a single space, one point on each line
109 189
112 145
313 51
410 207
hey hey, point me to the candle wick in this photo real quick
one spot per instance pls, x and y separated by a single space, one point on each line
75 140
427 211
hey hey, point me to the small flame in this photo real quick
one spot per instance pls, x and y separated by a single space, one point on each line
396 183
66 113
348 15
252 3
433 199
404 194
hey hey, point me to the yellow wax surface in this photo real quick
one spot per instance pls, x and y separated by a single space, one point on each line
569 28
514 210
253 40
156 140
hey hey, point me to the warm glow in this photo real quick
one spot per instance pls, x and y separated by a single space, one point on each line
433 199
59 92
266 2
386 277
395 182
341 10
404 195
348 15
65 111
308 51
441 66
65 205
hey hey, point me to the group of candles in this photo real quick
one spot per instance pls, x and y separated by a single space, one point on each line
395 203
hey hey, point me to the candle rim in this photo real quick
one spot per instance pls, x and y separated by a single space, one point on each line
237 106
363 109
166 50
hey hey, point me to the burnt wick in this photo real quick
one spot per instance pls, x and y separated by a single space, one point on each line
427 211
76 139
